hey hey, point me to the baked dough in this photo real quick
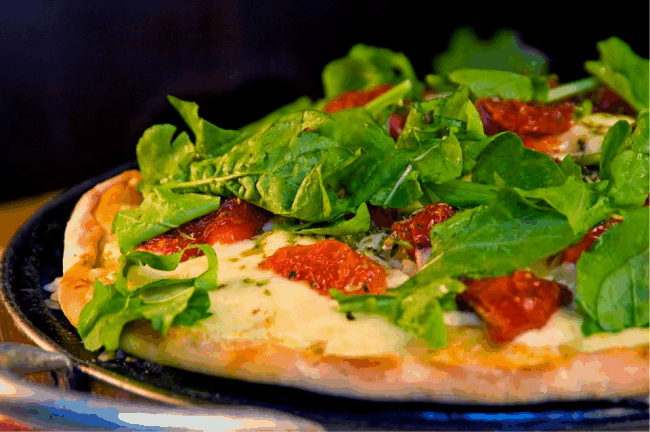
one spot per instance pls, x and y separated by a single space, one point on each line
468 370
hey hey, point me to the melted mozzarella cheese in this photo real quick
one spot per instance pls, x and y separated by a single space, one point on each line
258 304
586 135
563 328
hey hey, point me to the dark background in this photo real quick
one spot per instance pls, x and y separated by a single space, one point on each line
79 82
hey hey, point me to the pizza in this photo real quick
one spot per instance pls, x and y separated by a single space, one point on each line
480 235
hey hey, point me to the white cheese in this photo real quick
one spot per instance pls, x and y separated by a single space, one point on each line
258 304
586 135
563 328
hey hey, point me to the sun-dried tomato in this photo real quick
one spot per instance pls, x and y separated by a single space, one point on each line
511 305
535 124
573 253
353 99
328 264
236 220
416 230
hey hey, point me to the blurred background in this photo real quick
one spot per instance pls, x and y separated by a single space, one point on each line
80 81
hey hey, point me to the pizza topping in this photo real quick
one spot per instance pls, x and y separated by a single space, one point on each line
513 304
573 253
328 264
236 220
353 99
416 229
534 123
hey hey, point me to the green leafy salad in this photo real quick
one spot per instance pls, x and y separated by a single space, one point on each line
319 173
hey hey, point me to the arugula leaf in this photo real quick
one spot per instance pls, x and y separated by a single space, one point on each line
463 194
507 85
439 117
494 239
612 277
365 67
309 165
160 211
386 104
160 158
623 71
416 310
404 191
629 169
162 302
209 139
504 51
360 223
613 144
300 104
517 165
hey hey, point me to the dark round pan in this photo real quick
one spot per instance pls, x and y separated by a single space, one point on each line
33 259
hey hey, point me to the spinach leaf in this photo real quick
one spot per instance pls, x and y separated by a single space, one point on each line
416 310
360 223
386 104
438 118
507 85
163 302
160 211
495 239
300 104
400 193
613 144
629 169
161 157
517 165
623 71
504 51
309 165
612 277
463 194
209 139
365 67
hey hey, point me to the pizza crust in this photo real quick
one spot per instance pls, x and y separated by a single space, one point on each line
469 370
89 249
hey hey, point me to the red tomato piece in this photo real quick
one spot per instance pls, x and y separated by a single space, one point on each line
236 220
573 253
511 305
355 99
328 264
416 229
535 124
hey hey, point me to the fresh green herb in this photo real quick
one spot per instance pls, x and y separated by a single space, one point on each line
365 67
415 309
623 71
507 85
162 302
612 277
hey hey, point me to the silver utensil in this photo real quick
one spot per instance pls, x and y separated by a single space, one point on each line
60 409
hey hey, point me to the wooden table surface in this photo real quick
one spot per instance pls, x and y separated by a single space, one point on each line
12 216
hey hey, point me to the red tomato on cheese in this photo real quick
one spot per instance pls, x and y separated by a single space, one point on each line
416 229
236 220
511 305
535 124
328 264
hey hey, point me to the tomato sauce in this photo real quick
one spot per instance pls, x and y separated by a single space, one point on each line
511 305
416 229
236 220
573 253
535 124
328 264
